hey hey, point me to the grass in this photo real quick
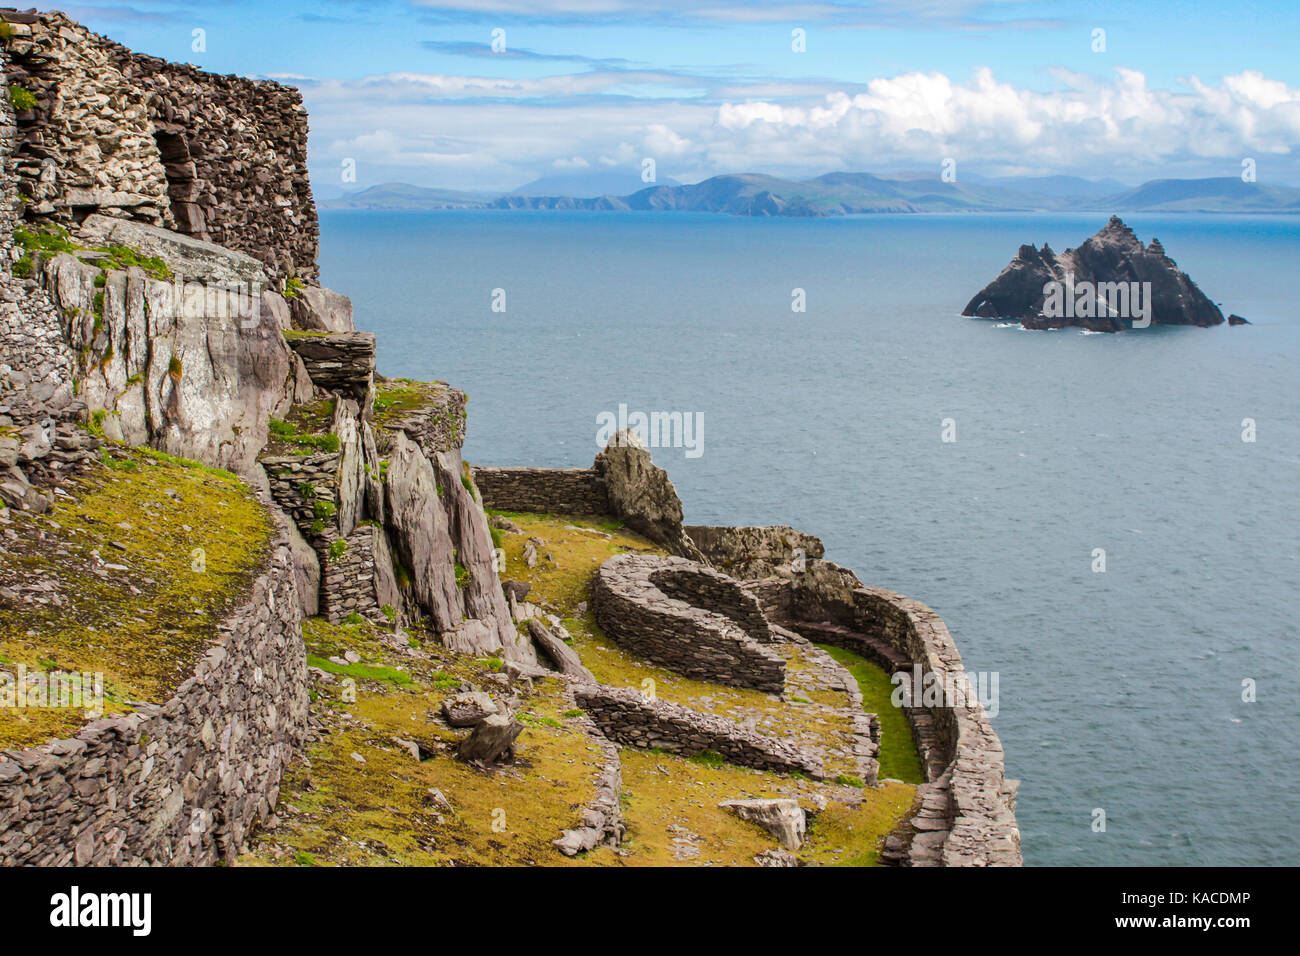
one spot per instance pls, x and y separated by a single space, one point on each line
339 811
192 539
898 757
286 434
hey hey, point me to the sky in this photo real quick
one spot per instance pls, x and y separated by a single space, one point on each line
414 91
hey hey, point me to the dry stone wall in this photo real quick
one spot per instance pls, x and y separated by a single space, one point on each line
220 158
685 635
543 490
628 717
179 783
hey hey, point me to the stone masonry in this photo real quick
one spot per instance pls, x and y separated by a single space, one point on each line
182 782
628 717
680 630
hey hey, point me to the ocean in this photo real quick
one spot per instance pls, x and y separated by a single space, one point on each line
1119 690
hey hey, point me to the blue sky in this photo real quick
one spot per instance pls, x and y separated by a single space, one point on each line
413 91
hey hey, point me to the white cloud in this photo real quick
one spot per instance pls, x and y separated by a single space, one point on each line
477 132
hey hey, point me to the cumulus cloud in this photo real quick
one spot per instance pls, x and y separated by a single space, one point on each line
496 133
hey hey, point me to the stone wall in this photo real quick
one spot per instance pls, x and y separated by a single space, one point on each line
180 783
628 717
348 578
220 158
969 804
685 635
543 490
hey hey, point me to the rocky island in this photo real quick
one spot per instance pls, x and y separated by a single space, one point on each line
255 607
1110 283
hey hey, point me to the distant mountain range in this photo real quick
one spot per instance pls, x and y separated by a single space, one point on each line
839 194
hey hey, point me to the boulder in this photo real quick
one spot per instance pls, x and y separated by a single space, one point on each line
468 710
316 309
642 495
491 742
1235 319
783 818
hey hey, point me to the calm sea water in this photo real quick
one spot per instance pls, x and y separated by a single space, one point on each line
1118 690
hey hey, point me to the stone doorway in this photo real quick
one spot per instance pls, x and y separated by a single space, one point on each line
182 180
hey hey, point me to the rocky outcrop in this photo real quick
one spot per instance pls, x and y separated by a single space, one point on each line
687 617
1102 286
747 552
342 362
194 369
642 495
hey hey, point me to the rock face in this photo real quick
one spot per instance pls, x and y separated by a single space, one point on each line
749 552
189 369
1098 286
784 819
641 494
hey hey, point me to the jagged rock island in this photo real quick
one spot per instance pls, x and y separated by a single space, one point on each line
255 608
1110 283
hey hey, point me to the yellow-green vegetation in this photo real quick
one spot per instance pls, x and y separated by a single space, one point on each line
670 807
377 810
812 713
146 557
20 97
56 239
305 430
292 334
293 287
395 398
898 757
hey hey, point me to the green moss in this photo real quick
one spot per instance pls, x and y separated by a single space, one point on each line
462 576
175 369
121 258
46 238
191 556
338 549
848 780
96 423
293 287
23 268
21 98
